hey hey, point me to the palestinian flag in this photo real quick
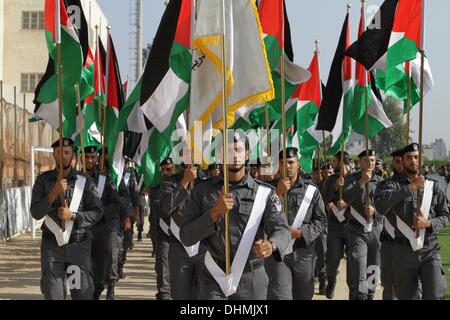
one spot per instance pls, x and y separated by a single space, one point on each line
303 106
334 114
92 127
74 48
166 77
162 92
114 138
395 41
307 110
62 31
92 114
246 118
277 39
138 138
365 86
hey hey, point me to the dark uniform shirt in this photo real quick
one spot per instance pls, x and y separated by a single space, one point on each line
396 196
331 194
137 193
110 198
125 199
196 224
315 221
390 216
355 195
89 212
173 197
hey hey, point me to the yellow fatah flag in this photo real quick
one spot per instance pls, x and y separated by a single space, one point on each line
249 81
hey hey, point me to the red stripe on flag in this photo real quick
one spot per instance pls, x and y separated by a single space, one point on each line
408 19
99 73
310 90
183 34
50 15
347 64
271 14
360 70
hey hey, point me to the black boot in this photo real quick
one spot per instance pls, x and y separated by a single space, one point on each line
322 285
97 293
120 272
331 285
139 237
110 292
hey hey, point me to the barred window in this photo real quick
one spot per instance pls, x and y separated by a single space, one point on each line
33 20
29 81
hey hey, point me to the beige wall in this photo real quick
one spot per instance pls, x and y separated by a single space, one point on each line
25 51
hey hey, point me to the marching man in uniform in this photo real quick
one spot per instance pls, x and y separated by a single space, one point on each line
294 277
415 258
365 226
258 230
67 251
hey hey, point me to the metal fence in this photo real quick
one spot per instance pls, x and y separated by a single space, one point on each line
17 136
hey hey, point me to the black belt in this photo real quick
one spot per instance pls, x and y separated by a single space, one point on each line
250 266
356 223
74 238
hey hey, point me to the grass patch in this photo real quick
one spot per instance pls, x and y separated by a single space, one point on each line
444 241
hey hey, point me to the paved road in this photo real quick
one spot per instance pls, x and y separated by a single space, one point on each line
20 272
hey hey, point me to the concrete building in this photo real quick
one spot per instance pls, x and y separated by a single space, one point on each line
428 152
436 150
439 150
356 143
23 50
23 60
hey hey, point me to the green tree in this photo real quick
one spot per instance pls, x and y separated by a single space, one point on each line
392 138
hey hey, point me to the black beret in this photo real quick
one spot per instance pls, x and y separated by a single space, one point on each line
90 149
67 142
410 148
371 153
166 161
396 153
291 152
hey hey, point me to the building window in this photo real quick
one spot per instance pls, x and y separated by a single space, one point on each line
33 20
30 81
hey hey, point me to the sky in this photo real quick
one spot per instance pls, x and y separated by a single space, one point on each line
322 20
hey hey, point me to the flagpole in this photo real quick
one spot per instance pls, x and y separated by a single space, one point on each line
349 6
191 143
99 98
317 42
422 71
266 111
60 115
108 57
81 119
225 140
366 101
283 115
408 106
